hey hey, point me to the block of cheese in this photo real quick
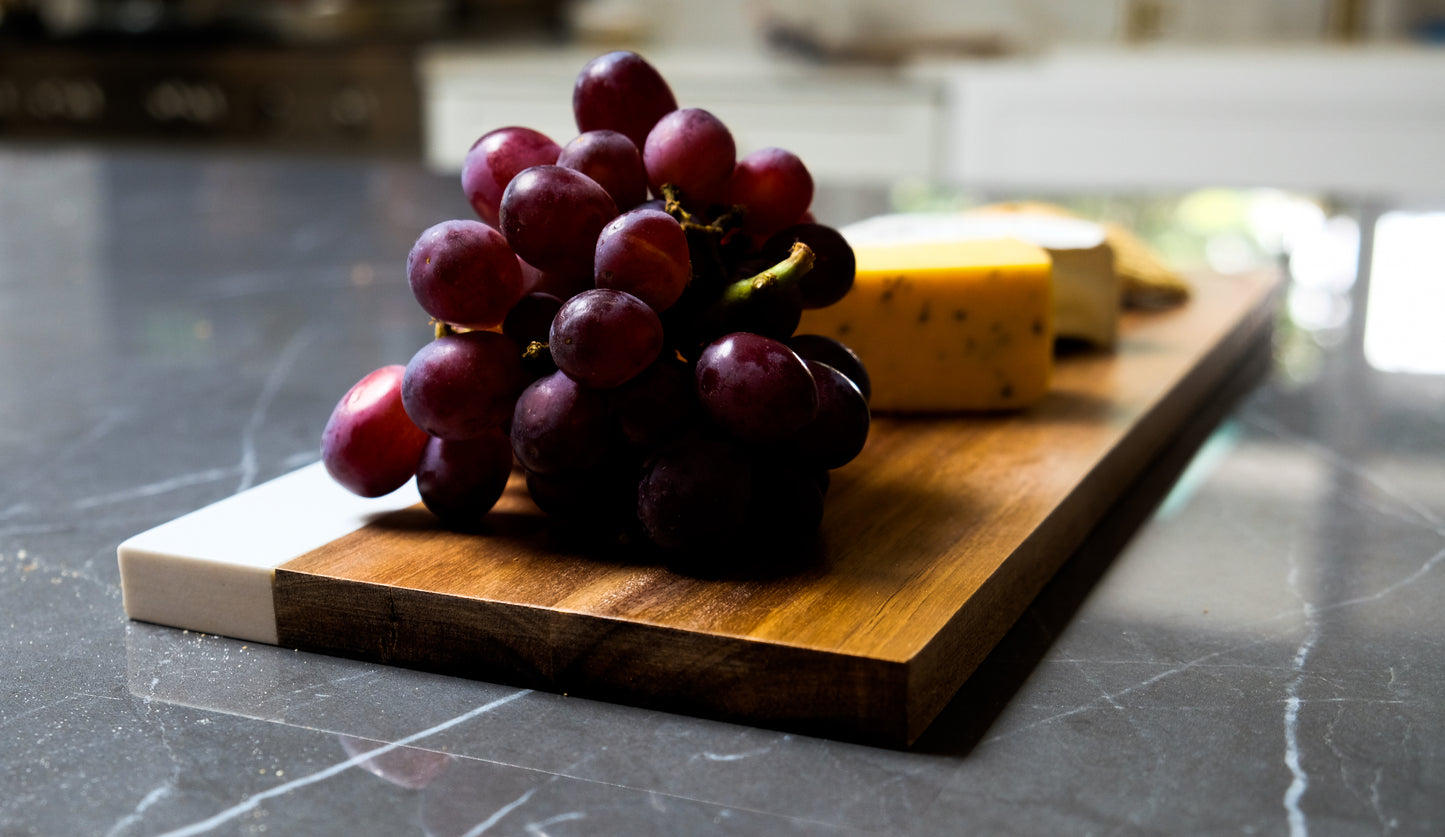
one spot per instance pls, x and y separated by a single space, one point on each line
957 325
1086 286
1145 281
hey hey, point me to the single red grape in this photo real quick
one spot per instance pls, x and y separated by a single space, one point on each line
369 445
496 158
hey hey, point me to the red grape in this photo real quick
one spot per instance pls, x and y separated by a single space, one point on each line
694 493
827 350
603 337
644 252
463 272
463 385
496 158
551 216
612 160
774 187
755 388
621 92
656 405
785 505
369 445
560 425
694 151
460 481
601 497
837 433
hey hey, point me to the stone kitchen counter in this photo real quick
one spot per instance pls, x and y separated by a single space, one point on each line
1253 641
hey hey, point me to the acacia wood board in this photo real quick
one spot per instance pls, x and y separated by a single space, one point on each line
933 542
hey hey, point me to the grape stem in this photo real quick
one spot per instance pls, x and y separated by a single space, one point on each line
788 271
442 329
779 278
672 197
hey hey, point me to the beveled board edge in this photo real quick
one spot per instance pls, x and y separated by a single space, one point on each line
212 570
797 688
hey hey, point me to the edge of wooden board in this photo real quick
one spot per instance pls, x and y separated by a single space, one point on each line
883 695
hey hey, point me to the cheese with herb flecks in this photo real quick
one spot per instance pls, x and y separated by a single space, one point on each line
948 326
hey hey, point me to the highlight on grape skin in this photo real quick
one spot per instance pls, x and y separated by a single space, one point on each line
603 337
552 216
460 386
464 273
774 187
621 91
693 150
370 446
497 157
741 371
460 481
644 252
611 159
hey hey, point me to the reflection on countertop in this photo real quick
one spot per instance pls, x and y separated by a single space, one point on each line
1260 654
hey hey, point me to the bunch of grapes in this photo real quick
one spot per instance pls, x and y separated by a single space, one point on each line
620 324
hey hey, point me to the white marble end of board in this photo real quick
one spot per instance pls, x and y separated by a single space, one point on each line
211 570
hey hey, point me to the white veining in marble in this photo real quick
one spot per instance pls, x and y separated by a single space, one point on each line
221 817
285 361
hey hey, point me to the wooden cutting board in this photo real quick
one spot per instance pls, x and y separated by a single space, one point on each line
933 542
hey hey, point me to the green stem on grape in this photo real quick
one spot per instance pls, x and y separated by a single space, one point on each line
767 303
441 329
782 275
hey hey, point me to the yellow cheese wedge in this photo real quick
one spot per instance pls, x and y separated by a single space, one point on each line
960 325
1086 287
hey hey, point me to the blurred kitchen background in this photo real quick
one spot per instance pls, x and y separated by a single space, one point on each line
1233 134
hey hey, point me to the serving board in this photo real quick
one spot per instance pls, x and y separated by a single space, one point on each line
933 542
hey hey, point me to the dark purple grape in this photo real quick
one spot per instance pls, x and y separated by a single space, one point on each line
694 493
369 445
839 430
612 160
774 187
833 261
621 92
601 496
755 388
694 151
463 273
835 354
644 252
531 318
496 158
463 385
562 284
551 217
657 405
460 481
786 504
560 425
603 337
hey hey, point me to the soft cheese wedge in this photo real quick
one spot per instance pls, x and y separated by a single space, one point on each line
948 326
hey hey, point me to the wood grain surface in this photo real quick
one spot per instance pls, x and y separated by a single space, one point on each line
933 542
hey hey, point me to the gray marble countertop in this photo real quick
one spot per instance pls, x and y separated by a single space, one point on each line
1260 651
